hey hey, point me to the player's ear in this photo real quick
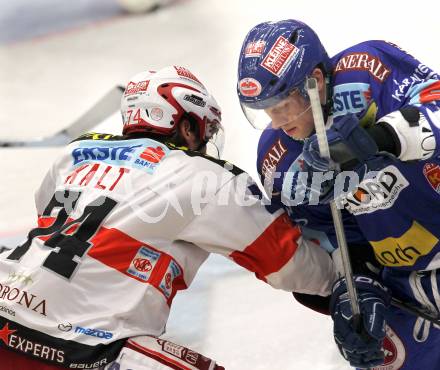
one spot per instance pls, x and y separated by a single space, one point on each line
185 129
187 134
317 73
320 79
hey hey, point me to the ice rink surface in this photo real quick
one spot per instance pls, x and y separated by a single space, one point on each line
57 57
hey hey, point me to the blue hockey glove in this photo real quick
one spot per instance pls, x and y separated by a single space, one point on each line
350 147
349 144
361 346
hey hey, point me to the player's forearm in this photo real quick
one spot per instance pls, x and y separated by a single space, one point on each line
310 270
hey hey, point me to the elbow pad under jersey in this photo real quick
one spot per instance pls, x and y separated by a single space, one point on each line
412 133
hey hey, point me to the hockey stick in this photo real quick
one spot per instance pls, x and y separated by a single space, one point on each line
102 109
324 151
312 90
416 311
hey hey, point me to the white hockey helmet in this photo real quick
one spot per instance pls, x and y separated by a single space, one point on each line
155 102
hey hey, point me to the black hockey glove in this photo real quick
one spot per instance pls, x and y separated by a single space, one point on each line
362 346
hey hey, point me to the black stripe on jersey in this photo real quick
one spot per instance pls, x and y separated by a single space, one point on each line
192 153
99 136
57 351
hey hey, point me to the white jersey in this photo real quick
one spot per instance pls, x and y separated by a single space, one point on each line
123 225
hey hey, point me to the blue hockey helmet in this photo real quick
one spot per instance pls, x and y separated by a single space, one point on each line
276 58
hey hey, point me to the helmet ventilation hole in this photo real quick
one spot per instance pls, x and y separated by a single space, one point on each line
294 37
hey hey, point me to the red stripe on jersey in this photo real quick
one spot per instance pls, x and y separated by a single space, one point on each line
45 221
272 250
110 246
430 93
115 249
118 251
161 268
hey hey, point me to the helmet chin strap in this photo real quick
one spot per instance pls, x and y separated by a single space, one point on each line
327 107
201 145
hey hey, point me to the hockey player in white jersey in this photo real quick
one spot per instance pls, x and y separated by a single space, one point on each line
124 223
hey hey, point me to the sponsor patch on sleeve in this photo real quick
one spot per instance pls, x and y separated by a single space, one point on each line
166 285
350 98
143 263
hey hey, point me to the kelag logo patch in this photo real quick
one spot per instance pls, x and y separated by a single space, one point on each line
143 263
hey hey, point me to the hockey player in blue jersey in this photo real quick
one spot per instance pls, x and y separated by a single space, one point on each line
394 97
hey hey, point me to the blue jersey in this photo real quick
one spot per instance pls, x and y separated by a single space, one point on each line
370 79
279 159
398 210
374 78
